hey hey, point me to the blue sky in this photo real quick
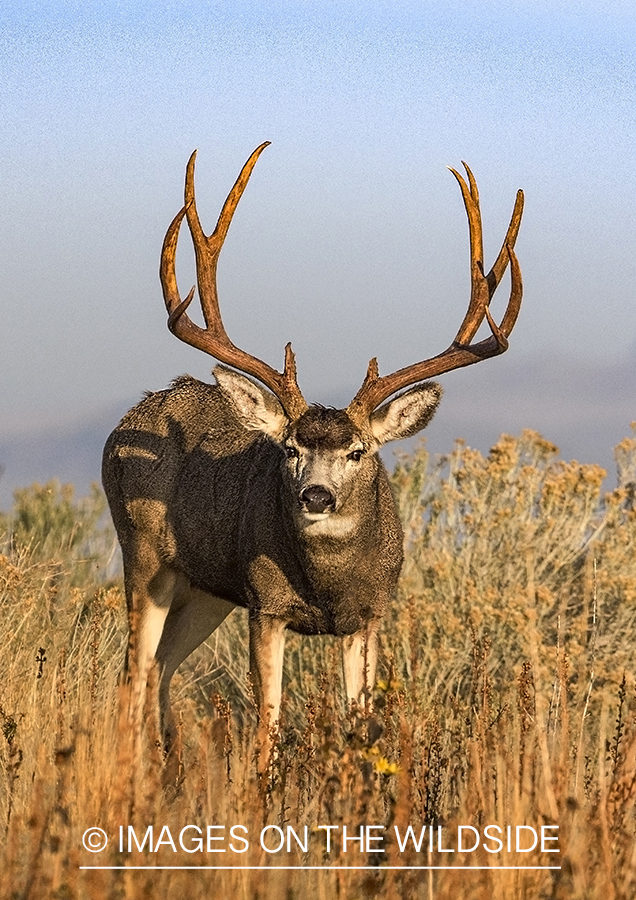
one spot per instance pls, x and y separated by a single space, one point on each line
351 239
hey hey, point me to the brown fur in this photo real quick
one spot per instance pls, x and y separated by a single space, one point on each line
330 429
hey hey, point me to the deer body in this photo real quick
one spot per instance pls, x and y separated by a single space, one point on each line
239 494
204 505
240 536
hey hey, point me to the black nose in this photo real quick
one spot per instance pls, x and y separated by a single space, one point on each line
316 498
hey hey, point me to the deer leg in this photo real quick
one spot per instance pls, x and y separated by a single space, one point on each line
360 657
193 616
150 588
267 645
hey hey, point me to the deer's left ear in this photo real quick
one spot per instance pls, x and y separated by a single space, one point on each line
406 414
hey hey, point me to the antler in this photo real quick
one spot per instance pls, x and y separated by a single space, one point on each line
213 339
461 352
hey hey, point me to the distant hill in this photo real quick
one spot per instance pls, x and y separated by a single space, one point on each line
73 454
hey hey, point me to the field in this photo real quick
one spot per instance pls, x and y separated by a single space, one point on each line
504 715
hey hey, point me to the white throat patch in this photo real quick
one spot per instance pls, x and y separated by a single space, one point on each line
328 524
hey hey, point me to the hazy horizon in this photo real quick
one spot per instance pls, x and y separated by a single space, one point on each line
351 239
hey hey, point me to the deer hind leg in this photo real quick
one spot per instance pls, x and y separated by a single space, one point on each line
360 658
193 616
150 589
267 646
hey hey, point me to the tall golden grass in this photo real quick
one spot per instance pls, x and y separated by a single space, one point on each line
505 697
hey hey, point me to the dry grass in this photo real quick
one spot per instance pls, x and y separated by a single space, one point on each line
505 698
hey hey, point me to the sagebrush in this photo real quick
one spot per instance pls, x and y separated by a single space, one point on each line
505 696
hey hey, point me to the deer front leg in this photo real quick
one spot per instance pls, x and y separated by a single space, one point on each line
360 658
267 645
193 616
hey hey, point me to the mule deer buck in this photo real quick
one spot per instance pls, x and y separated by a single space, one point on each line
240 494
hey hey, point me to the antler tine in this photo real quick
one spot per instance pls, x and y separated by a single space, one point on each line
208 249
516 287
213 339
479 296
501 263
167 274
376 389
476 308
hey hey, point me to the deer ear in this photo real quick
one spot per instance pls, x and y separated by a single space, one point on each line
256 408
406 414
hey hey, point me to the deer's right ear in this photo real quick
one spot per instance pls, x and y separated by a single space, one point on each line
257 408
406 414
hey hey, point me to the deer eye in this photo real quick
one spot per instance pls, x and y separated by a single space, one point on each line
355 455
291 452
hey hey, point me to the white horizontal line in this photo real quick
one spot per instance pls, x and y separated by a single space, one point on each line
325 868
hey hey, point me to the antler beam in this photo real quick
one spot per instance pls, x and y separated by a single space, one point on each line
213 339
376 389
